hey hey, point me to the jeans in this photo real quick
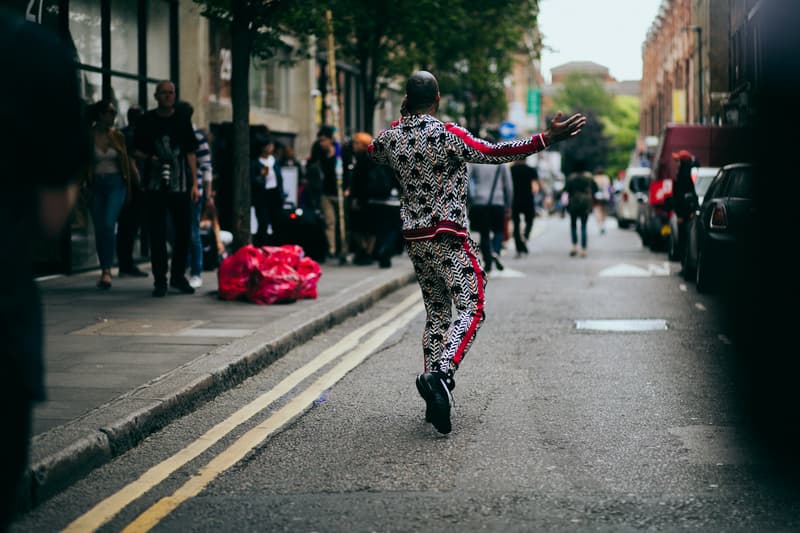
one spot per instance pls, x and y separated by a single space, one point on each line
573 226
195 240
108 197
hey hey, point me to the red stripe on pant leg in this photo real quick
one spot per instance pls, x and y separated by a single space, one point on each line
476 320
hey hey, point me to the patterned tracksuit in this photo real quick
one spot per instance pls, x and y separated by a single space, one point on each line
430 160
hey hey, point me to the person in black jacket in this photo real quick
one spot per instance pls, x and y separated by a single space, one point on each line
38 193
522 206
684 196
580 189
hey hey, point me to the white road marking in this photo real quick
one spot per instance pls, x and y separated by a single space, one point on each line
622 325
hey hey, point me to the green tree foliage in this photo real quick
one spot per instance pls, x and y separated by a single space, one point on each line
608 143
467 44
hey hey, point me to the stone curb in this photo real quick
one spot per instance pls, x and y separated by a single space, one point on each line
69 452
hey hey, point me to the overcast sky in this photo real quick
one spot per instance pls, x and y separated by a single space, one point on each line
608 32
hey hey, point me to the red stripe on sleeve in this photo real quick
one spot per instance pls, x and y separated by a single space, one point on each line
490 150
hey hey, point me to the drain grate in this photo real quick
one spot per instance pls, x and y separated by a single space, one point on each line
622 325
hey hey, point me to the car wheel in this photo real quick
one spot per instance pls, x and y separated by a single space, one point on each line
702 276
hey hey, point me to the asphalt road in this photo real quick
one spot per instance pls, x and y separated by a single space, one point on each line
558 426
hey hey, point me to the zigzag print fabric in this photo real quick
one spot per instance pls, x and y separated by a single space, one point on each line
430 160
448 272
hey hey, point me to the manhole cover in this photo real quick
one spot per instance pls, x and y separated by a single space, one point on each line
622 325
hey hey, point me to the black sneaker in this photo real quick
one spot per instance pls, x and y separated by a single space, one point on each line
182 284
435 392
497 263
159 291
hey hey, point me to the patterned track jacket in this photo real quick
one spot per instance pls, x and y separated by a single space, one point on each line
430 160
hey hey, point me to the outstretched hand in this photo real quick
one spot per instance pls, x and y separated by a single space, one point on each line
559 131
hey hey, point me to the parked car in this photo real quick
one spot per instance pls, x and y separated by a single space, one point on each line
711 146
718 226
702 178
632 193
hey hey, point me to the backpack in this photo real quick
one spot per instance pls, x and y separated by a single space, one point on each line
581 197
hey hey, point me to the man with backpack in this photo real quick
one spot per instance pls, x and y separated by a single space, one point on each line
580 189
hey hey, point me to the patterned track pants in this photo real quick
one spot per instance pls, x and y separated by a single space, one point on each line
448 272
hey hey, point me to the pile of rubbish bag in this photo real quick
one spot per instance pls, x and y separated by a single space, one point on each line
268 275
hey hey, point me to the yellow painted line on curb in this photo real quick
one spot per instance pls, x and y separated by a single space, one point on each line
247 442
109 507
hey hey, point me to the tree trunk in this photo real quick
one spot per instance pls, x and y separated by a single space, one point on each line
241 46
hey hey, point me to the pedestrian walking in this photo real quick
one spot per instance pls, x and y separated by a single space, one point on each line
205 178
430 159
580 189
602 197
490 204
132 218
524 179
166 144
107 182
40 87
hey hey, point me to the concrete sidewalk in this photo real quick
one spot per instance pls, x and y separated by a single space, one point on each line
121 364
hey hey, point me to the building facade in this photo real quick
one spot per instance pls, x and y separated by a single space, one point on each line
123 48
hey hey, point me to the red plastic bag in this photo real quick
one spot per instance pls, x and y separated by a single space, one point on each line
309 272
233 275
273 282
289 254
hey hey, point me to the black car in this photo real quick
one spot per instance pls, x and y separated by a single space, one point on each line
717 227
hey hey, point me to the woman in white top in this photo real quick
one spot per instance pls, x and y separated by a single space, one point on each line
108 180
266 186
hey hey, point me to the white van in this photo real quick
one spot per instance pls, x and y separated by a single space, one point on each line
634 191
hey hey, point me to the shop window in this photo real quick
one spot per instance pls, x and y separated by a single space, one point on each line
124 36
85 28
269 82
125 93
158 63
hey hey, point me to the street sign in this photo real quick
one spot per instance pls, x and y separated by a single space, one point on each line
508 130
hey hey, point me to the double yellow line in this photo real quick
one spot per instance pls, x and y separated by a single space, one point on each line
350 345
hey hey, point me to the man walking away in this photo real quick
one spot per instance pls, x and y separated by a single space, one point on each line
490 193
580 189
523 178
430 160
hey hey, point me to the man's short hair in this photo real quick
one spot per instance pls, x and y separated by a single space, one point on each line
421 89
325 131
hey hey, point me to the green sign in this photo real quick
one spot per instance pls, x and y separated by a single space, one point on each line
534 101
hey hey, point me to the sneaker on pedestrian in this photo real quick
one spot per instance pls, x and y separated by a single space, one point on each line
182 284
159 290
433 388
195 282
